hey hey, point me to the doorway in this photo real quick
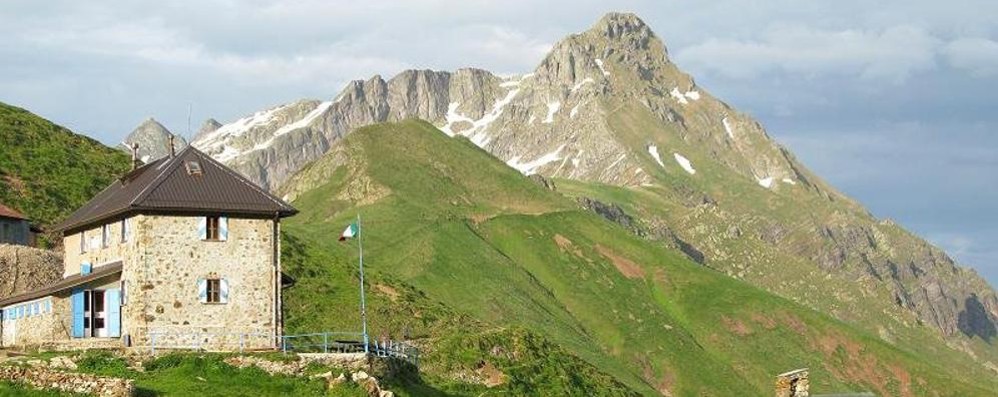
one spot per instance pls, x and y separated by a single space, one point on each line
94 314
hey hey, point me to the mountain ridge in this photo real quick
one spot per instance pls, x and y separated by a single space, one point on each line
606 107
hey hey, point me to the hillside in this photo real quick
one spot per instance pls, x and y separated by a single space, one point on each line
47 171
475 260
608 113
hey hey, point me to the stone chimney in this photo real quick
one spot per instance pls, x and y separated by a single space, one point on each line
135 156
793 384
173 152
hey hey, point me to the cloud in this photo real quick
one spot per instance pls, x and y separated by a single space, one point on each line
976 55
894 53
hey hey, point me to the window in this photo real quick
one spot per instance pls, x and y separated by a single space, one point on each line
213 228
83 241
105 236
214 290
125 230
193 168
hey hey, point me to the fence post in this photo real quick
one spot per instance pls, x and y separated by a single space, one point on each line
325 342
284 344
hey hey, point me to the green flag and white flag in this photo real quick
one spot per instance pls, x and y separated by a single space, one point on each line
350 232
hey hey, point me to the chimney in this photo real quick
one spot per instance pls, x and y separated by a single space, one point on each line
135 156
173 153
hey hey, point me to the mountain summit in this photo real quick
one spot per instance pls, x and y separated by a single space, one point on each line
609 115
153 139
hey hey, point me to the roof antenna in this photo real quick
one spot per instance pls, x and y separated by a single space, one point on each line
188 120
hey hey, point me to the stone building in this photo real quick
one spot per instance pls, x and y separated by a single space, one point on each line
180 251
15 228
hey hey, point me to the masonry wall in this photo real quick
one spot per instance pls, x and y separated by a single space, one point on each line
44 326
162 270
96 252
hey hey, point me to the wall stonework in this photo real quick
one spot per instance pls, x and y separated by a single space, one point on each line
162 272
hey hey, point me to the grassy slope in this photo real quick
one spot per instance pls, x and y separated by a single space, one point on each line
460 246
754 210
46 171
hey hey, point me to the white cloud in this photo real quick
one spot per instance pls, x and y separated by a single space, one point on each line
893 53
976 55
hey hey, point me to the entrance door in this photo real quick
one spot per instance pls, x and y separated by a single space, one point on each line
94 314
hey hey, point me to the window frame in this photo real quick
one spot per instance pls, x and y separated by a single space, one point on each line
105 235
124 229
213 296
83 241
213 233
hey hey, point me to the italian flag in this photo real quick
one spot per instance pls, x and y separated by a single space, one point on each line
349 232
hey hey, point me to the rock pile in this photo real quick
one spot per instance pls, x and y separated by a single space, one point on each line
47 378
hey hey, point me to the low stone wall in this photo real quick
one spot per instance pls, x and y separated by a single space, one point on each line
44 378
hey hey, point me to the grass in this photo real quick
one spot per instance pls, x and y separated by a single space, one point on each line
460 248
46 171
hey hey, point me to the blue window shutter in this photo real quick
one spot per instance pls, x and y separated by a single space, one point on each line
86 268
202 290
223 228
77 302
223 294
112 297
203 228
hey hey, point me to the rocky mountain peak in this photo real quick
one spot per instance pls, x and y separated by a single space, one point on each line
153 139
207 127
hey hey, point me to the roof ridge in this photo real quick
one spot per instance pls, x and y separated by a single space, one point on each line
242 179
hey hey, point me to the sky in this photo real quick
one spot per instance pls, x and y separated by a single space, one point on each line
893 102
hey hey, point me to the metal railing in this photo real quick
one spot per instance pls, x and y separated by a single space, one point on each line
321 342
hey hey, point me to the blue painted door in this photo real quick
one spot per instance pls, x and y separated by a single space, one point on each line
76 300
112 299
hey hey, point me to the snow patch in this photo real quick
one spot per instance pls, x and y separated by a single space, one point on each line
531 167
304 122
477 133
679 97
599 62
685 163
552 109
653 151
789 181
584 81
532 118
682 97
727 128
766 182
514 81
575 110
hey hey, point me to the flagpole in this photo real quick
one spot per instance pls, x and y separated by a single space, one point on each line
363 303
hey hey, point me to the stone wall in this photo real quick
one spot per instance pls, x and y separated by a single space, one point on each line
162 271
793 384
24 269
44 378
44 326
96 254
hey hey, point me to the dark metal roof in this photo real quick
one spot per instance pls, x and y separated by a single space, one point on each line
66 283
7 212
165 185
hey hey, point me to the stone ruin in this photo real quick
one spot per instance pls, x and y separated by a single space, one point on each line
793 384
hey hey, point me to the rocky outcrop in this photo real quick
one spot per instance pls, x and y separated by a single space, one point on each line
24 269
153 140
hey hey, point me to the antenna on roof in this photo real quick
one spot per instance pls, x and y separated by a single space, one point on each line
189 120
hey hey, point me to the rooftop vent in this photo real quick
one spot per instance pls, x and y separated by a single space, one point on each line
193 168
